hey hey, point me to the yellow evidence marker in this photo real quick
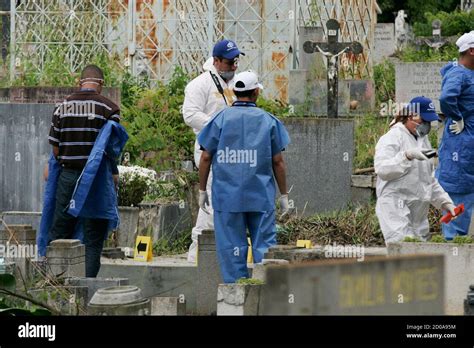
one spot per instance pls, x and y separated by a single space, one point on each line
304 243
143 249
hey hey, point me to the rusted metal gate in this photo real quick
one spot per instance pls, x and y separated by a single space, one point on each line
357 19
151 37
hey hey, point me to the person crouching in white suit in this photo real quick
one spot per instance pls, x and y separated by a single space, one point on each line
406 185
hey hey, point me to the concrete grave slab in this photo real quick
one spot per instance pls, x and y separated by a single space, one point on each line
458 263
319 163
24 155
417 79
406 285
384 41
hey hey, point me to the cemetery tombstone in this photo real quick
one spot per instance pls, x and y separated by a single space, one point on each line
404 285
384 41
418 79
319 163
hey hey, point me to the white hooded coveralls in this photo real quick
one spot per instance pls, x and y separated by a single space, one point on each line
201 101
405 189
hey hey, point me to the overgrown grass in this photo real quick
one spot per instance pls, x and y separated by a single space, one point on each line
368 130
354 225
177 246
428 54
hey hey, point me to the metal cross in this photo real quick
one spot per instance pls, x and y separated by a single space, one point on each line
332 50
436 41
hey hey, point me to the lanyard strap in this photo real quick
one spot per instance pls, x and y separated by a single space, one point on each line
218 85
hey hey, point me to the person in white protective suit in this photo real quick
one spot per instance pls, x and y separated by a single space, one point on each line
207 94
406 185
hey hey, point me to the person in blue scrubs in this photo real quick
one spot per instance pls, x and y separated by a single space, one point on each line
456 153
244 145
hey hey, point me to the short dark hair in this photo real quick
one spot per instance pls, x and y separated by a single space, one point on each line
244 94
92 71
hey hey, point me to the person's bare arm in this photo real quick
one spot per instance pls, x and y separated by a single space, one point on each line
55 151
280 173
45 173
204 169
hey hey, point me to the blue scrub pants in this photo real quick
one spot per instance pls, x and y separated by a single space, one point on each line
461 224
231 240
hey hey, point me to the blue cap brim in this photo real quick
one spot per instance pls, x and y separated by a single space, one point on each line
429 116
232 54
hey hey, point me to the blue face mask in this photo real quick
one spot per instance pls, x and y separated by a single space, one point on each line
423 129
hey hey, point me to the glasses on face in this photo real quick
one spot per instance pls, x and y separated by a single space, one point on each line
233 62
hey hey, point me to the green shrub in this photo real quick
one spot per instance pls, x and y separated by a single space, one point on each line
427 54
132 190
453 23
159 138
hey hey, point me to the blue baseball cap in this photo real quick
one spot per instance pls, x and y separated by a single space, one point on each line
226 49
425 108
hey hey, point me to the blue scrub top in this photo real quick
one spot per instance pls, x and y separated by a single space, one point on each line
455 172
242 140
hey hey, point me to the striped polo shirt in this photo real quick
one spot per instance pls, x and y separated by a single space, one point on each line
76 123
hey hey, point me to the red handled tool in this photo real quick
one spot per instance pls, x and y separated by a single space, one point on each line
448 217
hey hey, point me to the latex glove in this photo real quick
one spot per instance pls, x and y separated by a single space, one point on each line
284 204
449 207
457 126
203 201
415 154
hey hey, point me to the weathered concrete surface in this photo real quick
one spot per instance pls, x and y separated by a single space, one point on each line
459 266
31 218
412 79
319 163
411 285
238 299
259 269
164 276
294 254
164 221
119 300
169 306
22 241
93 284
208 274
127 232
48 95
24 151
66 258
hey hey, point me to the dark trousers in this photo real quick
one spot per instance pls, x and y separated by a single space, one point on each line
64 225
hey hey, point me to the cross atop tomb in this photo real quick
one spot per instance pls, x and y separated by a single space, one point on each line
436 41
332 49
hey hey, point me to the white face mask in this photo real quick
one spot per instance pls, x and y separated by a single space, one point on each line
227 75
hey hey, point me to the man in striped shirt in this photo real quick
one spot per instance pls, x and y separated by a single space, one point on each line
74 129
